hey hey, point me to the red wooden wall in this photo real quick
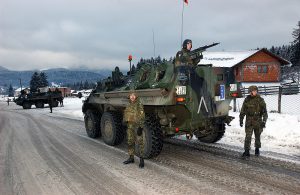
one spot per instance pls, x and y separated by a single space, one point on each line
247 71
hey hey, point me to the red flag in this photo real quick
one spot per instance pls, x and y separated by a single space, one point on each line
186 1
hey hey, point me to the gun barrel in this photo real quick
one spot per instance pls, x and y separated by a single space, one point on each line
197 52
203 48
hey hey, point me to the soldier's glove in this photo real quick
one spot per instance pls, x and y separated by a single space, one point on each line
263 124
241 123
139 131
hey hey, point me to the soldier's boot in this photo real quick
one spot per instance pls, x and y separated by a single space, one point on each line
246 154
257 152
141 165
129 160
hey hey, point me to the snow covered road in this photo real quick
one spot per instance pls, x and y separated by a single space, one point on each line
43 153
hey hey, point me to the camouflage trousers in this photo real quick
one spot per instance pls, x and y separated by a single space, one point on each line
249 129
133 138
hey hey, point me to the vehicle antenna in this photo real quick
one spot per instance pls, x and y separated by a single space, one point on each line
153 43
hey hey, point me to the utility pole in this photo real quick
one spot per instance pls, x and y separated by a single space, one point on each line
20 83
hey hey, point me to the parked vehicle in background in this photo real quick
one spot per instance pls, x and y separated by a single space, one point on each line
39 99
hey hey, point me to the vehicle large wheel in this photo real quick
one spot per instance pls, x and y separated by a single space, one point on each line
27 105
112 129
215 135
92 124
39 104
152 137
54 103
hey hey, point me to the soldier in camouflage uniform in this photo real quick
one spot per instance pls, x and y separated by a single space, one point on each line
254 107
134 116
182 57
50 100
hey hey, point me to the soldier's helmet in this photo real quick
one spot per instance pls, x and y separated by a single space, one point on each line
252 88
185 42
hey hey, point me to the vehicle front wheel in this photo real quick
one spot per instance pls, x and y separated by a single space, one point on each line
39 104
111 128
92 124
27 105
55 103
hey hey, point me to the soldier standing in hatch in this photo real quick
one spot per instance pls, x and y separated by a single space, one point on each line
254 107
134 116
183 58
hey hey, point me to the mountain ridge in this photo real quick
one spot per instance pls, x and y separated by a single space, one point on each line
60 76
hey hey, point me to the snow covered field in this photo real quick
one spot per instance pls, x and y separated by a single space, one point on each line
281 135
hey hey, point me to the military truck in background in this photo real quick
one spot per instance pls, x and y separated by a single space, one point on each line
39 99
178 100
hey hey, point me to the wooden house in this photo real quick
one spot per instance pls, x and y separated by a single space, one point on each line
257 66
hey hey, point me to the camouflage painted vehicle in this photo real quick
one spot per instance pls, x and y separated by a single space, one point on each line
179 100
38 99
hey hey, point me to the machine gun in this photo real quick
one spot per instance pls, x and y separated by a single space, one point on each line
197 53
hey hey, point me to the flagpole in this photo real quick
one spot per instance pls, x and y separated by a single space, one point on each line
153 43
182 23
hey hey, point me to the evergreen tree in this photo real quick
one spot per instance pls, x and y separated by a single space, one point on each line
158 59
44 81
133 69
272 49
86 85
35 82
295 57
81 86
10 91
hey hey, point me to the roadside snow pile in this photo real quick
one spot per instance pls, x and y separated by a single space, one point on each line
4 98
72 107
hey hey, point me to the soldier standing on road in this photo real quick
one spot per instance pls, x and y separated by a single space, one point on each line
134 116
61 102
183 58
50 100
254 107
8 100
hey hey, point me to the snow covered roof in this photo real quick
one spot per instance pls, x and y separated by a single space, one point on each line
19 89
225 59
232 58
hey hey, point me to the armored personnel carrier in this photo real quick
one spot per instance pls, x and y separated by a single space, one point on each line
39 99
178 100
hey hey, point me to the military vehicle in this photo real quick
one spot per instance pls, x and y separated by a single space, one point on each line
39 99
178 100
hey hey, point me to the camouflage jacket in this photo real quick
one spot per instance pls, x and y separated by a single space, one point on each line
183 58
134 113
255 109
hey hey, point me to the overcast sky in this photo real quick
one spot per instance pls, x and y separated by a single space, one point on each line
41 34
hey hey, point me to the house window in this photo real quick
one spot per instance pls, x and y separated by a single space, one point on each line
220 77
262 68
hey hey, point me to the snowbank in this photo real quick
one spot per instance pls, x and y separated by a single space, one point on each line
72 108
